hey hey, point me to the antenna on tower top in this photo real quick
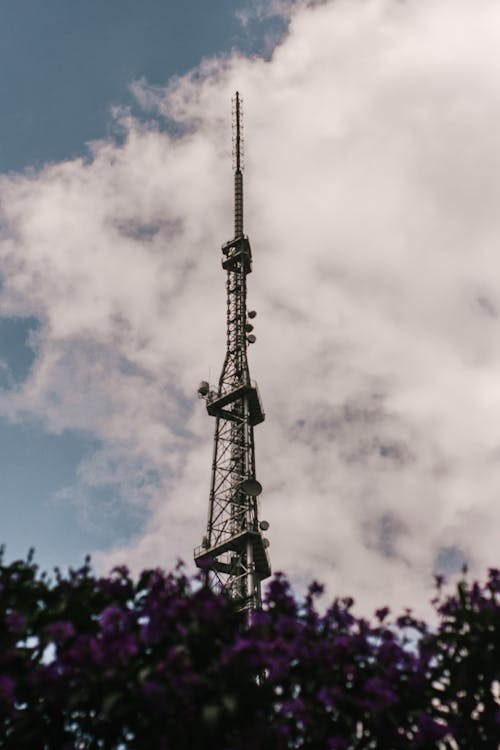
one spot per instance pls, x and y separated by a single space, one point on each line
238 163
238 144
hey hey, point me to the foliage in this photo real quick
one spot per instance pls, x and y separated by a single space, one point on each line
163 663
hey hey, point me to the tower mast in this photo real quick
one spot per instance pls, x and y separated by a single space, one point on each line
233 552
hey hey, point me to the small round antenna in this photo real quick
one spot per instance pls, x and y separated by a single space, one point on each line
203 388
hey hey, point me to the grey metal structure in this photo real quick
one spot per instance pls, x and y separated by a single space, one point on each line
234 552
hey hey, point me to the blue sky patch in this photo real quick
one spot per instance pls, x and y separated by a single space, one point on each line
16 349
35 467
450 560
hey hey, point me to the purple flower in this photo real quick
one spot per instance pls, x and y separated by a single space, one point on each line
337 743
60 631
328 697
389 653
112 619
430 730
116 587
382 613
278 666
381 694
211 609
15 622
316 588
7 686
449 607
260 619
343 642
124 647
86 650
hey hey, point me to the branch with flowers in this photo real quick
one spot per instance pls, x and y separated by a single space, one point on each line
159 662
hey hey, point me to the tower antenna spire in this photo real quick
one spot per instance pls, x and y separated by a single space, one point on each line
233 553
238 145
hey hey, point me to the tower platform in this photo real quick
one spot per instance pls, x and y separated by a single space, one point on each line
235 251
236 543
216 404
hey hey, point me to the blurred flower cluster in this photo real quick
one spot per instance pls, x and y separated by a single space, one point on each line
163 663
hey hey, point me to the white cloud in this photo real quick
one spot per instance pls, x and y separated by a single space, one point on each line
372 185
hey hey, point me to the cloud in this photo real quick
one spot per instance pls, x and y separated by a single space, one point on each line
372 186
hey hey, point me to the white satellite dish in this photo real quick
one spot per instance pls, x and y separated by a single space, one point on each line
203 388
251 487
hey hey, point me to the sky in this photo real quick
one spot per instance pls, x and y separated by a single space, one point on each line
372 181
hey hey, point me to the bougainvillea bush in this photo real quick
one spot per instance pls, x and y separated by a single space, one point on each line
161 662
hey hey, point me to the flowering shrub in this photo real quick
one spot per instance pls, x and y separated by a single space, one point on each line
162 663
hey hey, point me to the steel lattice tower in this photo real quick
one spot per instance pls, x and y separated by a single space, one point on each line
234 552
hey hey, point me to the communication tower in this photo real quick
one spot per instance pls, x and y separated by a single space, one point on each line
233 552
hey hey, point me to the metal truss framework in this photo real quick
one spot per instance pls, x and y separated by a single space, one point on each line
233 553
